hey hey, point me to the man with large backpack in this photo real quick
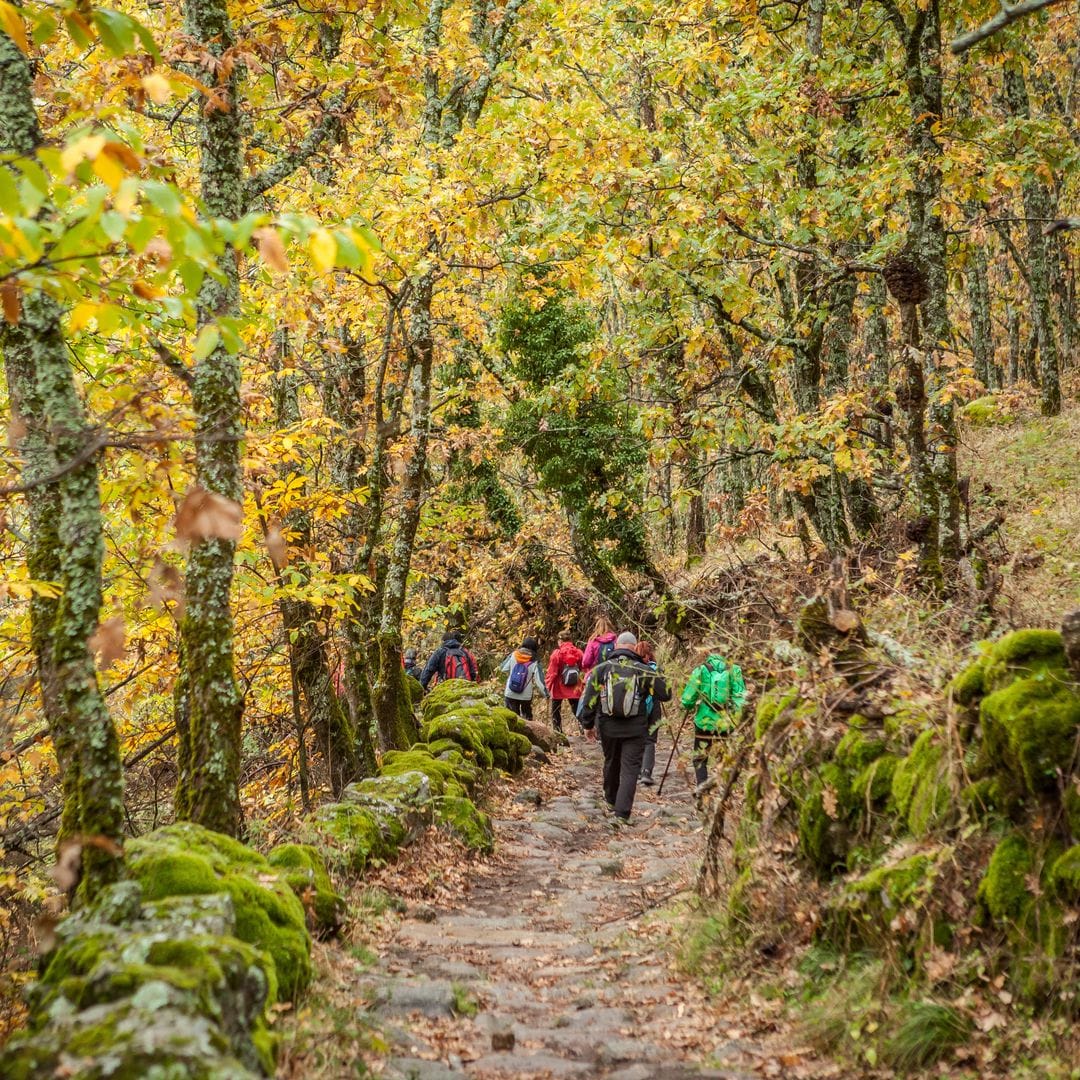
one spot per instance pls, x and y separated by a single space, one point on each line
718 691
451 660
522 678
614 703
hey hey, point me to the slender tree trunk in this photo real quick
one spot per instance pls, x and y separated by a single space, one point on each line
69 515
1037 208
308 646
209 703
928 244
396 729
982 332
696 527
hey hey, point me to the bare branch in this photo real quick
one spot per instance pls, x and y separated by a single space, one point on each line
1008 14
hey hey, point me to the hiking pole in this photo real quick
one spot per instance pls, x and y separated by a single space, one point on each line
671 756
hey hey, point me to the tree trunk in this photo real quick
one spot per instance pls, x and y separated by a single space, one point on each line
927 241
1037 208
69 516
209 704
982 332
309 650
396 730
696 527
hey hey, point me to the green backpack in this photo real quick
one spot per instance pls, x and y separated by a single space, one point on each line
724 688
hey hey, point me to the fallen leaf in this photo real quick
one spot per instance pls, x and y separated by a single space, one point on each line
844 620
157 87
278 548
166 584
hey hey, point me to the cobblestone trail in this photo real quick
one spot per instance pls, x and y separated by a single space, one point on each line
563 949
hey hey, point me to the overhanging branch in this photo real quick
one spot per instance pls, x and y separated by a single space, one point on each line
1008 14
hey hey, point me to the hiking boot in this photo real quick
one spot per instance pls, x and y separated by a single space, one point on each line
610 806
646 779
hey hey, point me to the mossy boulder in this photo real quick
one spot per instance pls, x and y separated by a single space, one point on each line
157 989
463 731
985 411
445 775
867 906
1030 728
1004 889
920 789
773 707
1064 876
351 835
467 822
304 870
454 694
872 785
136 1040
187 860
823 820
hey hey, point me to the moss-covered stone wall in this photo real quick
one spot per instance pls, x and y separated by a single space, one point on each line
170 973
929 828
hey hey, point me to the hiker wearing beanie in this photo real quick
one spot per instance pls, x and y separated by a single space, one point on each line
564 677
409 663
613 705
522 678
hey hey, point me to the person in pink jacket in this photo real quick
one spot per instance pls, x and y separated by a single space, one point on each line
601 645
564 677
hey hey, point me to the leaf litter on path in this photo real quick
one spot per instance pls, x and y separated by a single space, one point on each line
567 936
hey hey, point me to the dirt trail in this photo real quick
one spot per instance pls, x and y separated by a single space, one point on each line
561 947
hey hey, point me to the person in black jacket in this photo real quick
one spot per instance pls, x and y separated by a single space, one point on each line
451 660
614 704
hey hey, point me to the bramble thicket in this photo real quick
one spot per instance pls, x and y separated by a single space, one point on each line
327 328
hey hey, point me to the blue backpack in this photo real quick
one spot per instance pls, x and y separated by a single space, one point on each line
605 651
519 677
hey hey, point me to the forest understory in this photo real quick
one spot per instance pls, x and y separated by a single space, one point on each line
340 334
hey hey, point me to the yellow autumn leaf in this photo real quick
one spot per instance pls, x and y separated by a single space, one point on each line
81 315
109 171
323 249
11 23
157 87
89 146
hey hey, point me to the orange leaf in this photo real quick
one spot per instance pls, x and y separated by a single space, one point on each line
12 302
271 249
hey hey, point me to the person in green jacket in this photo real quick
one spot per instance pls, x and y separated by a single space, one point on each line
716 691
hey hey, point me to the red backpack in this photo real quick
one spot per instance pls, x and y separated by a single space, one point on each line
459 664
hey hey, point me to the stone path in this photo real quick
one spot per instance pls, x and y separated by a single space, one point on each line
561 948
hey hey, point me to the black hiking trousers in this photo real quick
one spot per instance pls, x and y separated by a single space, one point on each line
517 705
622 765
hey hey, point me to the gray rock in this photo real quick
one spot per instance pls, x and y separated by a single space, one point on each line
408 1068
529 797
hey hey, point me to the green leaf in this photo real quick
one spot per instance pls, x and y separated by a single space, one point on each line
205 343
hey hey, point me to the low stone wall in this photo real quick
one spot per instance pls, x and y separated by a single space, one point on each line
169 974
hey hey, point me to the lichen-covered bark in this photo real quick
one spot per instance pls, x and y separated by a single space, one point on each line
68 516
209 702
394 732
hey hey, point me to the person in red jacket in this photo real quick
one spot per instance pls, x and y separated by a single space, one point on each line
564 677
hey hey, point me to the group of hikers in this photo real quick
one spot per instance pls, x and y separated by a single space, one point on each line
615 691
